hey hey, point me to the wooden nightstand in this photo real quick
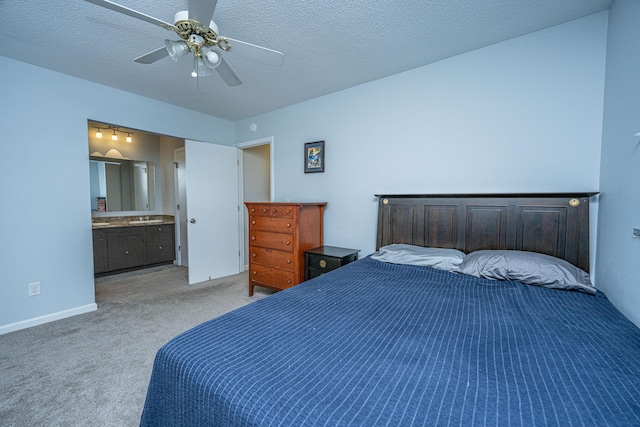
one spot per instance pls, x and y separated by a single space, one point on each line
318 261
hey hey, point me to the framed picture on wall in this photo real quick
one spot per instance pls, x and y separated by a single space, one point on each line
314 157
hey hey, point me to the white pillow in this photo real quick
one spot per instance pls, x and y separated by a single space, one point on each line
400 253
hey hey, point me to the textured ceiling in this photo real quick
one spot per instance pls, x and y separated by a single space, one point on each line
328 45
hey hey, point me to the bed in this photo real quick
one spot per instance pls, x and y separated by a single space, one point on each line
383 343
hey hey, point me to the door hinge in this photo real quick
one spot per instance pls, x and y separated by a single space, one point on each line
176 164
177 207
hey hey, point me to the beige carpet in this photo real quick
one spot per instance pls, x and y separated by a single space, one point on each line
93 369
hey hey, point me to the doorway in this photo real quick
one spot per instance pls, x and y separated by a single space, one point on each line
213 225
256 180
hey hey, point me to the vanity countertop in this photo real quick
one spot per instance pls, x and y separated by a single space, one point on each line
130 221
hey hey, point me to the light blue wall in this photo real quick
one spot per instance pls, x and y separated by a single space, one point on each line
618 253
44 181
524 115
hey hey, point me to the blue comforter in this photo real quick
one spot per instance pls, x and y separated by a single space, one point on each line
377 344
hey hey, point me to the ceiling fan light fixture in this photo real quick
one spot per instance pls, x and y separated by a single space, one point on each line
211 58
196 38
98 133
200 68
114 137
176 49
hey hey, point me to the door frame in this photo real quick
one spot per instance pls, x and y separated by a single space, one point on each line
241 209
179 214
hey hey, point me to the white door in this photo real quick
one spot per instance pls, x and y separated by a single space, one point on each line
140 187
212 206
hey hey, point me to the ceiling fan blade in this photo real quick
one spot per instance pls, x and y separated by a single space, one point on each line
227 73
202 10
258 53
122 9
152 56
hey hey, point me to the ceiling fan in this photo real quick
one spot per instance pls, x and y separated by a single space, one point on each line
204 42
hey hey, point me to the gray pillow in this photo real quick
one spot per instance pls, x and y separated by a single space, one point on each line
400 253
527 267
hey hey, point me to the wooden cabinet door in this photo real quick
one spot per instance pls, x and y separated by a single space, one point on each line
100 254
126 248
160 243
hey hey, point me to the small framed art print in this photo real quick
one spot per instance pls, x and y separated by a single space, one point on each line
314 157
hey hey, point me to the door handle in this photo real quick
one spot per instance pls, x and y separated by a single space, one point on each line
192 220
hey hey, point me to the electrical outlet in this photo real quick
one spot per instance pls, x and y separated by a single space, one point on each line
636 232
34 289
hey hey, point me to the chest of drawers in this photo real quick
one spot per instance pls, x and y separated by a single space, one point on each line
279 233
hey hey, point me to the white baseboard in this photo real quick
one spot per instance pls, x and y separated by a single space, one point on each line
11 327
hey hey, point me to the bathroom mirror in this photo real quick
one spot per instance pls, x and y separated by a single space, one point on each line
121 185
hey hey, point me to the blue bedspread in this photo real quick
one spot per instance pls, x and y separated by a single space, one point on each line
376 344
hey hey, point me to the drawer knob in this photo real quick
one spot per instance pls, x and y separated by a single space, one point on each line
288 211
289 282
288 261
288 225
275 210
265 210
288 243
253 222
253 237
323 263
254 273
160 248
253 255
253 210
126 252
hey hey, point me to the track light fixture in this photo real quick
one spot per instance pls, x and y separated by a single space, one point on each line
114 136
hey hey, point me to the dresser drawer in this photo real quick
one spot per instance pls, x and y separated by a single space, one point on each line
278 225
259 210
265 239
282 211
272 258
320 262
271 277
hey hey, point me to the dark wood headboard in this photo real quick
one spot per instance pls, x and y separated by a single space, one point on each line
554 224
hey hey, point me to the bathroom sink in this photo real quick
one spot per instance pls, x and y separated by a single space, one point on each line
146 221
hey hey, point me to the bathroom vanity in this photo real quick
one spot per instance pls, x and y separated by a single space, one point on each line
126 244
